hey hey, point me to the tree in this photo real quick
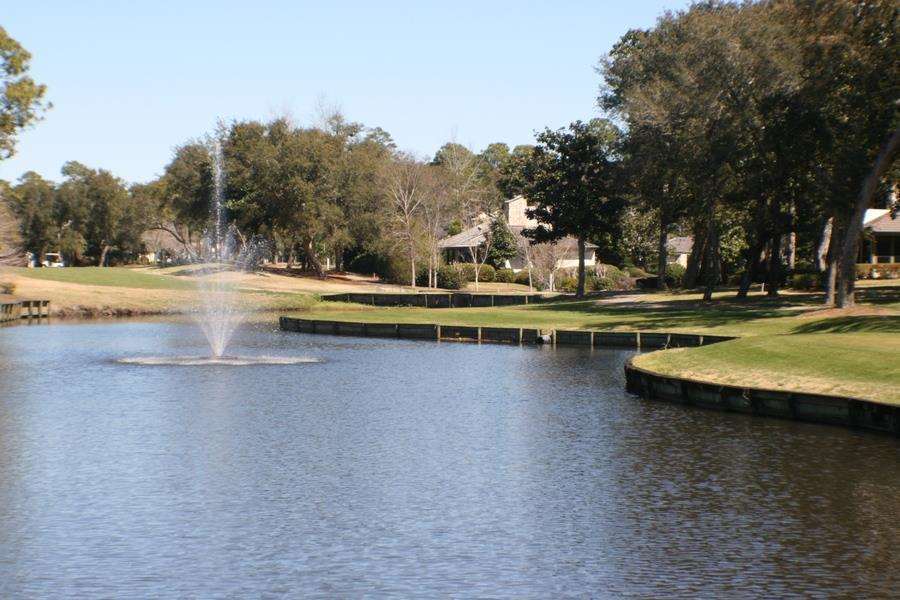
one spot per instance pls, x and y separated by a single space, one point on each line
21 99
10 232
32 201
471 199
503 244
572 179
546 258
97 205
406 188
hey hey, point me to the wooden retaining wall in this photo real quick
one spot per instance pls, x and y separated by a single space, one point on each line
437 300
813 408
24 309
508 335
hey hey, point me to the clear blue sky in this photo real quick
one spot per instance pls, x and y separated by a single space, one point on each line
131 80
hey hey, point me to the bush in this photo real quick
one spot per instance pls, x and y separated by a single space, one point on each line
7 287
449 277
567 283
505 276
676 273
600 284
369 263
637 272
486 273
522 277
804 281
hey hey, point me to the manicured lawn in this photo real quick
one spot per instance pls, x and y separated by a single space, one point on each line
787 343
108 276
861 365
760 316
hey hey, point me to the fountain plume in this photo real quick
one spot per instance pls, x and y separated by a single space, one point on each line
219 313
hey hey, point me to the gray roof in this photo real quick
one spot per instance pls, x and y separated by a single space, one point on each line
680 244
474 236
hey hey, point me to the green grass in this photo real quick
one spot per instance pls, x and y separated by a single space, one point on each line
861 365
757 317
787 343
108 276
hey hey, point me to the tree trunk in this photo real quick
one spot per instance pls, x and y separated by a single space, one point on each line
823 245
579 292
312 260
710 255
751 265
663 255
103 254
830 282
847 273
773 277
412 264
697 252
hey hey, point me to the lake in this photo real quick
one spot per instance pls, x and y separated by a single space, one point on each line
402 468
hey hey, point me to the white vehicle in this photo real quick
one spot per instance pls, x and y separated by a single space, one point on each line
53 259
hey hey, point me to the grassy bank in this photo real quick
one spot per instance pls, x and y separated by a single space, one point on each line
787 343
117 291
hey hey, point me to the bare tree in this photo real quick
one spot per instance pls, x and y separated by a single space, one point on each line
406 188
526 249
547 257
436 211
469 197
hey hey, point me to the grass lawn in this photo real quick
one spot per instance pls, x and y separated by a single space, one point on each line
787 343
109 276
861 365
794 313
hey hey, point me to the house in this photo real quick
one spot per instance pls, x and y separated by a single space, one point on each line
459 247
679 249
881 245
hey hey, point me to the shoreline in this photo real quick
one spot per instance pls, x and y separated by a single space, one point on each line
757 401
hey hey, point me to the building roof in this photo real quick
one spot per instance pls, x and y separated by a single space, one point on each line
680 244
475 236
884 223
873 214
468 238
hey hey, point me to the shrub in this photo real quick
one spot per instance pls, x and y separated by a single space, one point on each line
522 277
466 271
7 287
370 262
637 272
600 284
505 276
449 277
422 276
804 281
567 283
676 273
486 273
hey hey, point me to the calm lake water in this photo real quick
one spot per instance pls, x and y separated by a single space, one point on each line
403 468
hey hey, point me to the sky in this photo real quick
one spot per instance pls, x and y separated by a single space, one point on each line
130 81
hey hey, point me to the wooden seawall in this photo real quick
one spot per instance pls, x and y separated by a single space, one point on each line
437 300
799 406
24 309
509 335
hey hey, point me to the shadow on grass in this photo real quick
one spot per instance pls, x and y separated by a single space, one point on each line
860 324
879 295
683 313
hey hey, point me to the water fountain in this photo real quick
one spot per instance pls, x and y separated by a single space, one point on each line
219 313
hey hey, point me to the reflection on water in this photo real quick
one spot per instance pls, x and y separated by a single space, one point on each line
411 468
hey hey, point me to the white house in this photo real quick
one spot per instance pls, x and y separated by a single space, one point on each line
458 248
